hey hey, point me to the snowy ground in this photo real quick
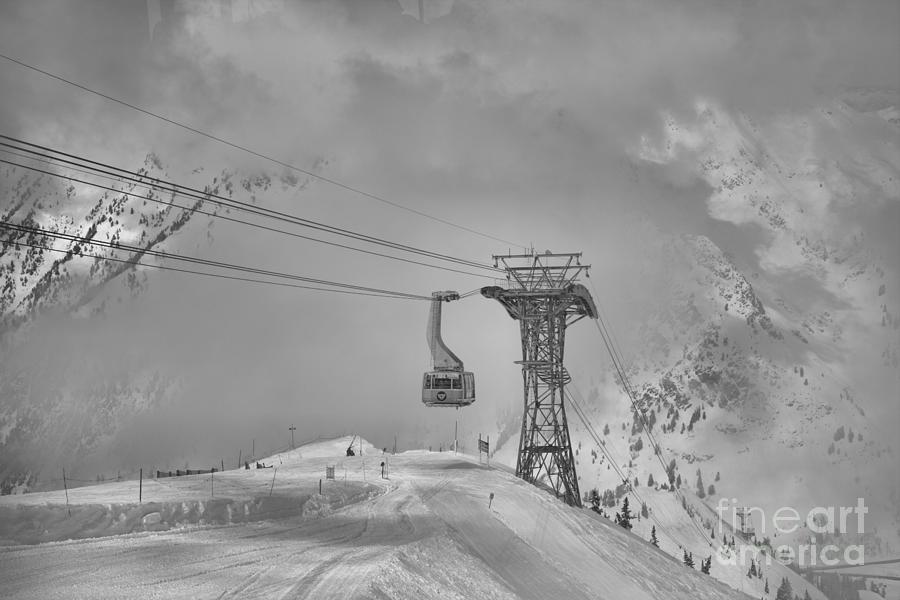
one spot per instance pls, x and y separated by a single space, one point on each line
425 532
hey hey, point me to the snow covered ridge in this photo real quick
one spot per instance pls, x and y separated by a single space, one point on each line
428 533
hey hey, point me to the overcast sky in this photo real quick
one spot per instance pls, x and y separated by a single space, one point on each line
520 119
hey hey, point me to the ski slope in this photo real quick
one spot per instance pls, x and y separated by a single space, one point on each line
425 531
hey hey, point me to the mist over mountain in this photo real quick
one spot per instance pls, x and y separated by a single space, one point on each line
731 173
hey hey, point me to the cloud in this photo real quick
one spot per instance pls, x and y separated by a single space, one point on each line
515 118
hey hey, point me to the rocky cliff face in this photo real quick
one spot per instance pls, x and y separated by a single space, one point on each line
761 359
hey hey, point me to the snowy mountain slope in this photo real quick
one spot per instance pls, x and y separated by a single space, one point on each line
785 367
429 534
773 342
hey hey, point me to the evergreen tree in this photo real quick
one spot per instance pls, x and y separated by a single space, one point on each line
752 571
645 512
701 492
653 538
705 565
711 491
595 500
785 591
678 481
767 586
806 595
650 482
625 517
688 559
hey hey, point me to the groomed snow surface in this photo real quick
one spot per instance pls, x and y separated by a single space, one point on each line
425 531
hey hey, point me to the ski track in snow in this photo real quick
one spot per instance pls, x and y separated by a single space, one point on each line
429 534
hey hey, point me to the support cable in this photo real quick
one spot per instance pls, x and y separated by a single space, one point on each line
645 425
78 240
579 411
205 274
228 202
260 154
215 214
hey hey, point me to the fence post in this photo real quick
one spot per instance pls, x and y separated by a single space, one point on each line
66 488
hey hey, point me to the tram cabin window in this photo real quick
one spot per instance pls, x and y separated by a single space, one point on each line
427 384
457 383
441 383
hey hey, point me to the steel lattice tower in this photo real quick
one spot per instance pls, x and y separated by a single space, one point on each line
544 296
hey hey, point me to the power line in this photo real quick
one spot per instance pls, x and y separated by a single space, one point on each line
78 240
259 154
214 214
206 195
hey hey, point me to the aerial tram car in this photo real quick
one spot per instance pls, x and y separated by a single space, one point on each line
448 383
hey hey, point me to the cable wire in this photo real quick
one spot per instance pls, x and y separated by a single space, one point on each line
259 154
78 240
639 413
231 203
213 214
579 411
205 274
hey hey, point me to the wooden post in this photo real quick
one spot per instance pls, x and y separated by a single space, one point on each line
212 483
141 485
489 450
239 458
223 463
273 481
320 487
66 488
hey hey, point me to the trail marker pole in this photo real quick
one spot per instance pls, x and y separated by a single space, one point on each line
239 458
212 484
140 485
66 488
292 429
272 487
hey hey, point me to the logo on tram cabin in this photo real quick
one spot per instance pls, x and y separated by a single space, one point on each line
442 395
